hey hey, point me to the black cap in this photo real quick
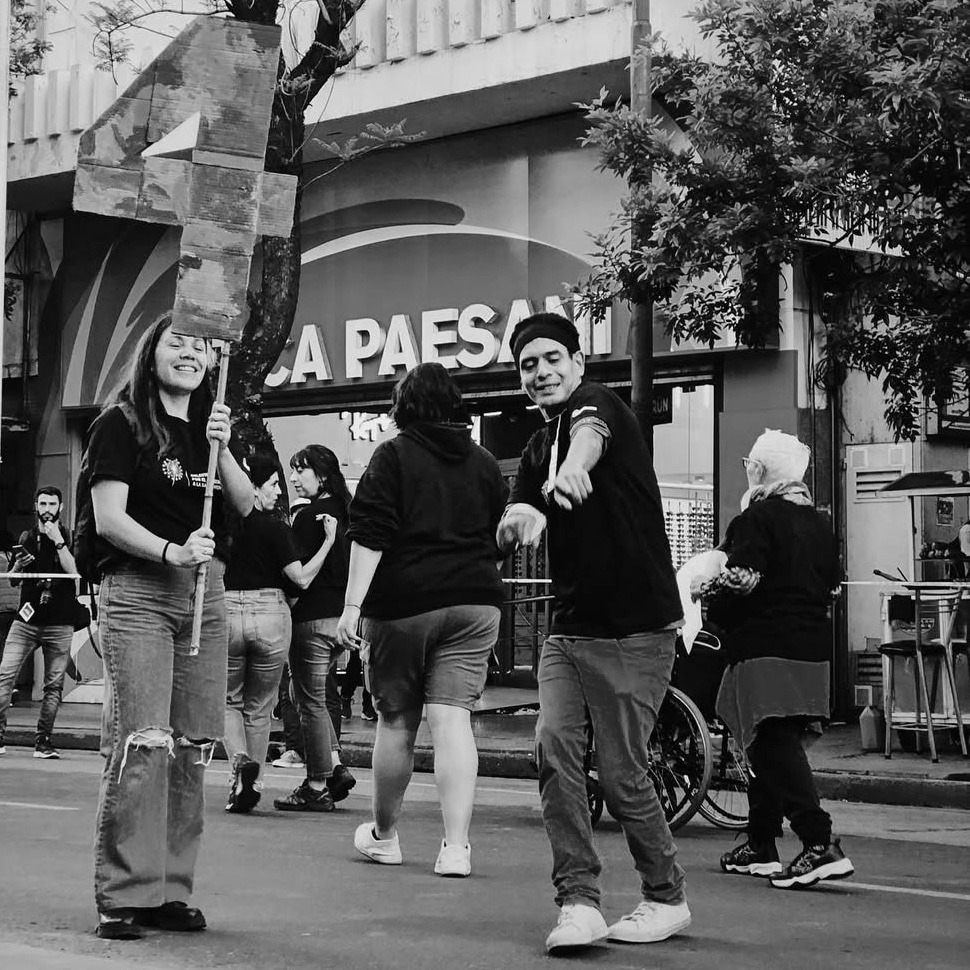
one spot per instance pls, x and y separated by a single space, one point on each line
552 325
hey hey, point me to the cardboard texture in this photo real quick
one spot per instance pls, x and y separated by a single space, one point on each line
225 71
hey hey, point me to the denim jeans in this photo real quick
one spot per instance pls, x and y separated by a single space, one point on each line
259 640
22 640
622 684
163 712
313 653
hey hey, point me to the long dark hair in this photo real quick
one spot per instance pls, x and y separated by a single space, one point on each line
138 395
326 466
427 393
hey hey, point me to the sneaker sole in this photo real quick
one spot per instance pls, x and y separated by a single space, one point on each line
561 949
47 757
616 936
280 807
452 873
832 870
761 869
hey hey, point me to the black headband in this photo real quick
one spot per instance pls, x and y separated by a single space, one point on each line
550 325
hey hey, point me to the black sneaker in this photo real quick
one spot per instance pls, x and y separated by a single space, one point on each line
243 796
813 864
346 708
173 917
752 860
119 924
305 799
44 749
340 783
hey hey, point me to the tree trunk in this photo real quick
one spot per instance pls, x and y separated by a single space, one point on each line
272 306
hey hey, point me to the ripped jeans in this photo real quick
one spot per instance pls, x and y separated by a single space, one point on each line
163 711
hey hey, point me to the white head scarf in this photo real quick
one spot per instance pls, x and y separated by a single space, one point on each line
784 457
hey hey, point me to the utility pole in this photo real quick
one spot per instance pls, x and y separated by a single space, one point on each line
641 310
5 14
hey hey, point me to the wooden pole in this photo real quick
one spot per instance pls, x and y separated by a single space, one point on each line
202 576
641 309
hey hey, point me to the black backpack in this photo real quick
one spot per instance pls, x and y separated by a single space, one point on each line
85 531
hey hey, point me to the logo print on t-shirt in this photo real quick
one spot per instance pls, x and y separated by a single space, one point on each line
172 470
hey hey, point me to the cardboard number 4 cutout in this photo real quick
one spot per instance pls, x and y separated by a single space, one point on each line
184 145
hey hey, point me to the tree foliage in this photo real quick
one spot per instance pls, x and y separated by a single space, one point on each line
816 122
26 49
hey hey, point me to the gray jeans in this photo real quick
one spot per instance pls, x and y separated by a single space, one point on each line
259 640
163 712
22 640
621 683
313 653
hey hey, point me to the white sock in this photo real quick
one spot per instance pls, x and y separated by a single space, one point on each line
335 757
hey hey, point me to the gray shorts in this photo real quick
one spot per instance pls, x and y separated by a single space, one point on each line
438 657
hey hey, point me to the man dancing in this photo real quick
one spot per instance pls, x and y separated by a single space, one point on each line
589 476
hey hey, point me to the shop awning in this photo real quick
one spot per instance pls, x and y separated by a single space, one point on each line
956 482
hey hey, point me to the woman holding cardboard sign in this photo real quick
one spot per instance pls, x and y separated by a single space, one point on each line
147 459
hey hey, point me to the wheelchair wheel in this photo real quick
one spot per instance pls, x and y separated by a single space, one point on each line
726 802
680 757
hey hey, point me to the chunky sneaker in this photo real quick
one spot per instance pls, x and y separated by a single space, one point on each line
44 749
454 860
243 796
340 783
119 924
579 925
651 922
752 860
174 917
305 799
289 759
385 851
813 864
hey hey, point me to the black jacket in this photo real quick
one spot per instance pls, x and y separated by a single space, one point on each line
430 501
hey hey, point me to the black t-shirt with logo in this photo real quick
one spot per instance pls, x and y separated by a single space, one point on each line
46 602
612 573
262 546
165 492
324 597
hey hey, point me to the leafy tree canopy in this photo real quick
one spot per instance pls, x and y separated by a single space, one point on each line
26 49
815 122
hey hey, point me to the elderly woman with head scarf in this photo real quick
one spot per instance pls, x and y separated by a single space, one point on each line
772 602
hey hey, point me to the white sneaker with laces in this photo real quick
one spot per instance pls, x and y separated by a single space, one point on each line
454 860
3 750
385 851
289 759
579 925
651 922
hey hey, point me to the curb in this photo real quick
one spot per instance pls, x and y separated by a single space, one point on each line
868 787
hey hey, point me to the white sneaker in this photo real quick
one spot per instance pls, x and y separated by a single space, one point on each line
651 922
289 759
3 750
454 860
579 925
385 851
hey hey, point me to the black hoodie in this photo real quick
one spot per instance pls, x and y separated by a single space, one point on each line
430 501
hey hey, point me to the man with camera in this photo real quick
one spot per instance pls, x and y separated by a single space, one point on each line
45 619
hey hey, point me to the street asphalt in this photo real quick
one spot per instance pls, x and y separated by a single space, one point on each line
288 892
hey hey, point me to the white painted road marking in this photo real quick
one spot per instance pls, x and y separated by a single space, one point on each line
48 808
906 890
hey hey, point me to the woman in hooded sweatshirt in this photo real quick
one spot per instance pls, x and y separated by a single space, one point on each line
772 602
423 574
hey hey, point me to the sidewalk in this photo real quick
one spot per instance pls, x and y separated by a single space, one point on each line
505 724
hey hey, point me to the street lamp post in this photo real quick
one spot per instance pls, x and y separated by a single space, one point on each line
4 106
641 310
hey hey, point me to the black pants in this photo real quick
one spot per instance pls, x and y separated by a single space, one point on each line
353 678
783 786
